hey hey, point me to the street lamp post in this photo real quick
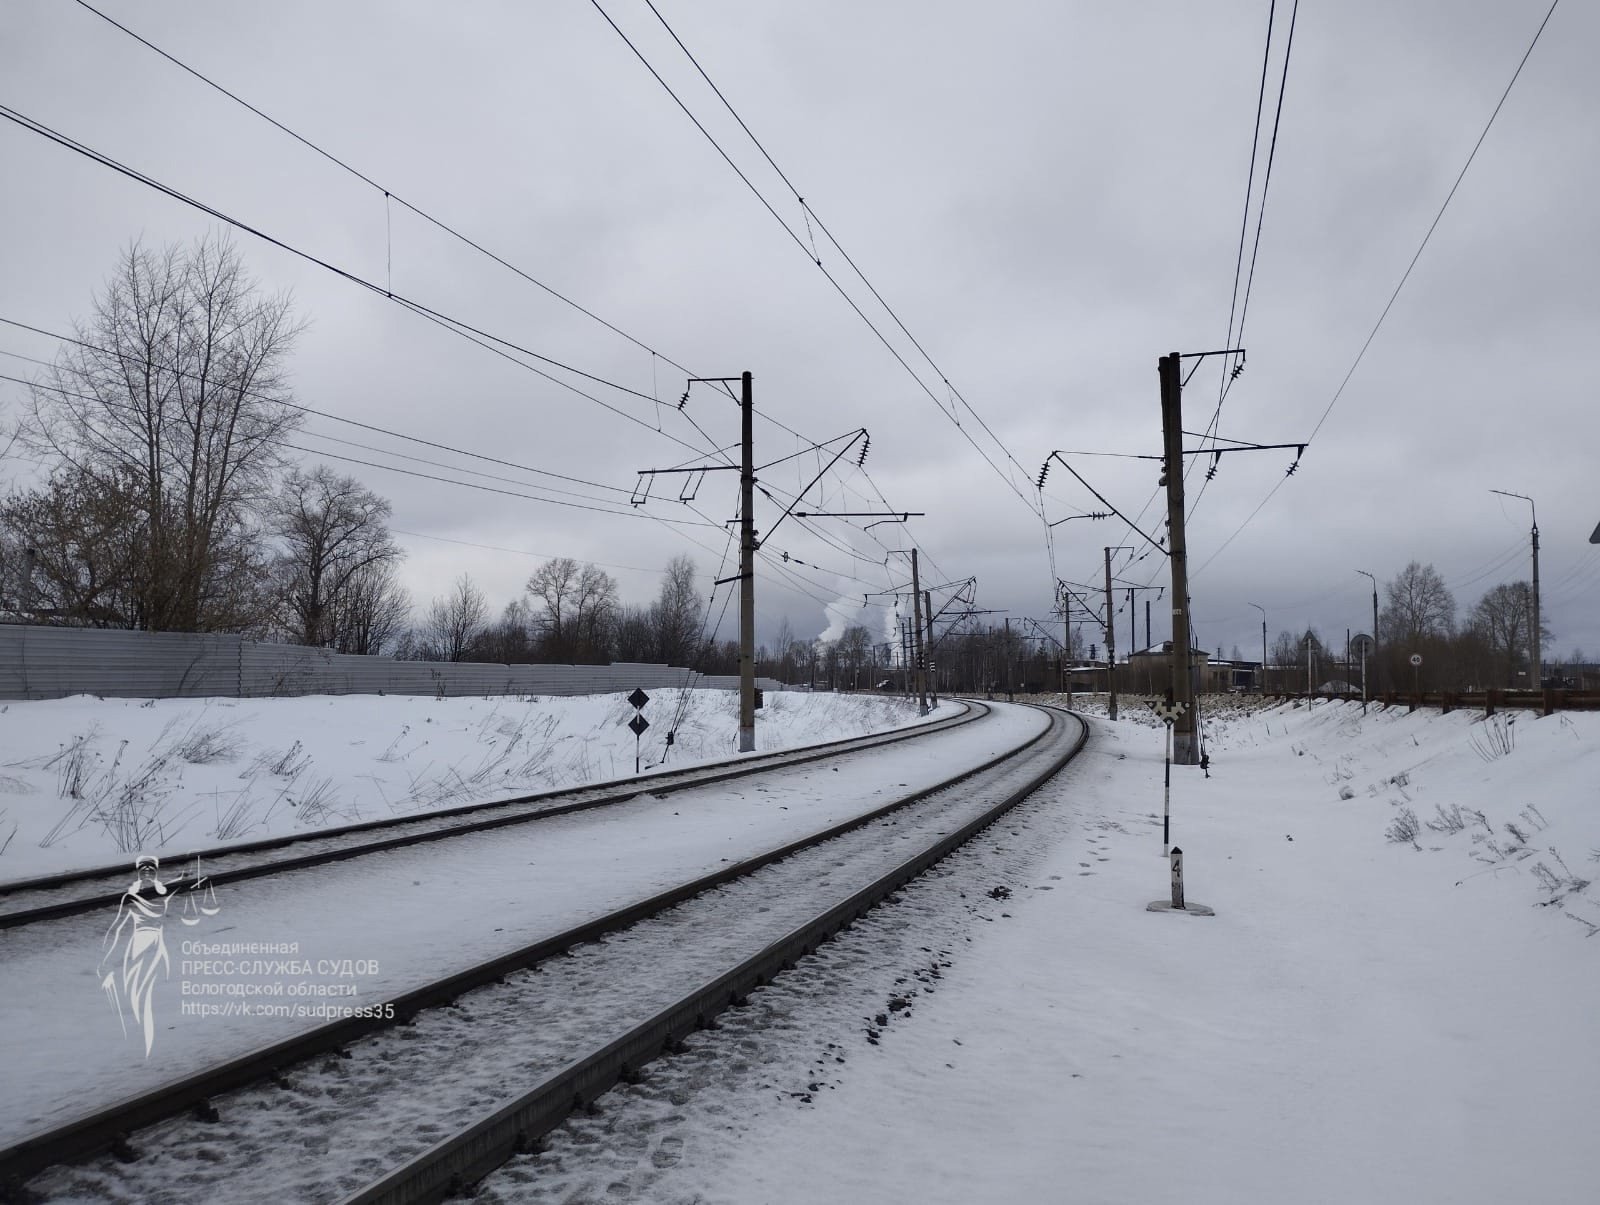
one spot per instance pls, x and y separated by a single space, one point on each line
1374 582
1263 611
1535 635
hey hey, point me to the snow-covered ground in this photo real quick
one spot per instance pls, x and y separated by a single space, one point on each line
383 925
85 781
1375 1014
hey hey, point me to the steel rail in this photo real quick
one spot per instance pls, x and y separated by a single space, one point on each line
657 784
453 1166
111 1128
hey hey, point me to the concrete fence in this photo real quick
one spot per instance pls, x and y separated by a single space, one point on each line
51 663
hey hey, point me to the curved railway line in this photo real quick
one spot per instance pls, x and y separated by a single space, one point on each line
28 901
633 984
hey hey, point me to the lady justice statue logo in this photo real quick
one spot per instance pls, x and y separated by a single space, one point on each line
138 931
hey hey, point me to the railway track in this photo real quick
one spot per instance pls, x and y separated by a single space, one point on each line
417 1108
29 901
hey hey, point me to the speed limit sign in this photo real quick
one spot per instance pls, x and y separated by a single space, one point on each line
1416 658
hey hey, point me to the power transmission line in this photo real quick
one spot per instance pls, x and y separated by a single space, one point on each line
390 195
1405 276
810 254
455 325
312 410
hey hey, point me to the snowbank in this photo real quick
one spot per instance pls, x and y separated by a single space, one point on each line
85 780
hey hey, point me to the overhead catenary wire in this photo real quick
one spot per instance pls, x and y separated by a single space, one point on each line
1237 338
949 412
293 447
483 338
311 410
390 194
812 215
456 325
1404 277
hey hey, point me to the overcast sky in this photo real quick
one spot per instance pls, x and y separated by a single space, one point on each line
1049 195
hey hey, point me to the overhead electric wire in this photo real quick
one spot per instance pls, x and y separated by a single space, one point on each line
451 323
845 255
1249 192
454 325
1266 184
1227 377
387 192
389 195
285 443
1405 276
1432 226
312 410
832 280
543 556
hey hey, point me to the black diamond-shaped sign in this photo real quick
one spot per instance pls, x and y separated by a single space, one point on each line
638 724
638 698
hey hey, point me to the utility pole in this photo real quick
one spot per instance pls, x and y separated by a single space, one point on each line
747 567
916 635
1066 656
1263 681
1535 629
933 680
1374 582
746 577
1111 647
1005 652
1147 643
1185 748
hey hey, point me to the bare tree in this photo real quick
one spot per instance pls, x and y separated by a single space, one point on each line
676 614
453 623
72 553
853 647
782 645
578 609
633 635
334 531
373 612
1503 618
1417 606
173 398
510 639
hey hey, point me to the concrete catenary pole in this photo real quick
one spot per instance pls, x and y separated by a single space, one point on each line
1185 746
1535 632
1066 634
1111 647
916 635
933 676
747 569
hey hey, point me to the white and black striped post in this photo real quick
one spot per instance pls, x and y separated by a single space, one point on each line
1166 796
1168 712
